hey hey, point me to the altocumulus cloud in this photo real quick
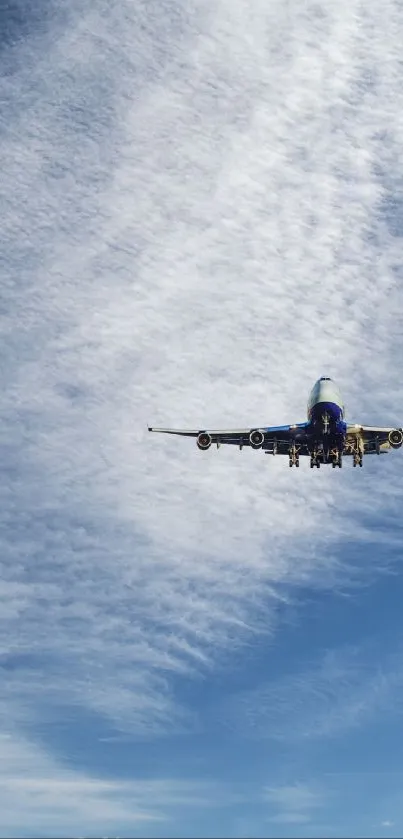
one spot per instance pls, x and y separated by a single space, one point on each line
195 224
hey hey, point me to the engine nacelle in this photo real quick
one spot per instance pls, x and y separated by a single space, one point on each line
256 438
204 441
396 438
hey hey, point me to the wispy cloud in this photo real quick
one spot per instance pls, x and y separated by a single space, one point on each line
48 795
343 690
193 228
36 791
55 798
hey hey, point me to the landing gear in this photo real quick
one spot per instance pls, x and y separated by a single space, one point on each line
358 453
325 423
337 458
315 459
293 455
327 452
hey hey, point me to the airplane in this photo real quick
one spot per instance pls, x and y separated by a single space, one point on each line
325 438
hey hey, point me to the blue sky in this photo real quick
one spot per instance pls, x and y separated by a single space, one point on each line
201 213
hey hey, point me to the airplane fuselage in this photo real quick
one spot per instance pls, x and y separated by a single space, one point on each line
327 428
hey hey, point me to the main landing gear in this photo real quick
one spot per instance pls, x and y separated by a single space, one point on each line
293 456
319 456
337 458
315 460
357 453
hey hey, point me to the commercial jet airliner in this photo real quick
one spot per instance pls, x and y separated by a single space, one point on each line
325 438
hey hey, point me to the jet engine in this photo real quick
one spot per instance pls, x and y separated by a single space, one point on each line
256 438
396 438
204 441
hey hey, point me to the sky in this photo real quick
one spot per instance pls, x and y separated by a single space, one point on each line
202 212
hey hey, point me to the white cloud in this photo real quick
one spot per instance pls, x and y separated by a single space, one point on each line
192 231
36 791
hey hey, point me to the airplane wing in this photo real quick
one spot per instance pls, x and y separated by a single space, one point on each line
272 439
376 439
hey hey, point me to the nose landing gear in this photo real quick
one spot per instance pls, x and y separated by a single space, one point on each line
325 423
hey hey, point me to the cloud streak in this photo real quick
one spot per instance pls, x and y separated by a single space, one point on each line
55 799
343 690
